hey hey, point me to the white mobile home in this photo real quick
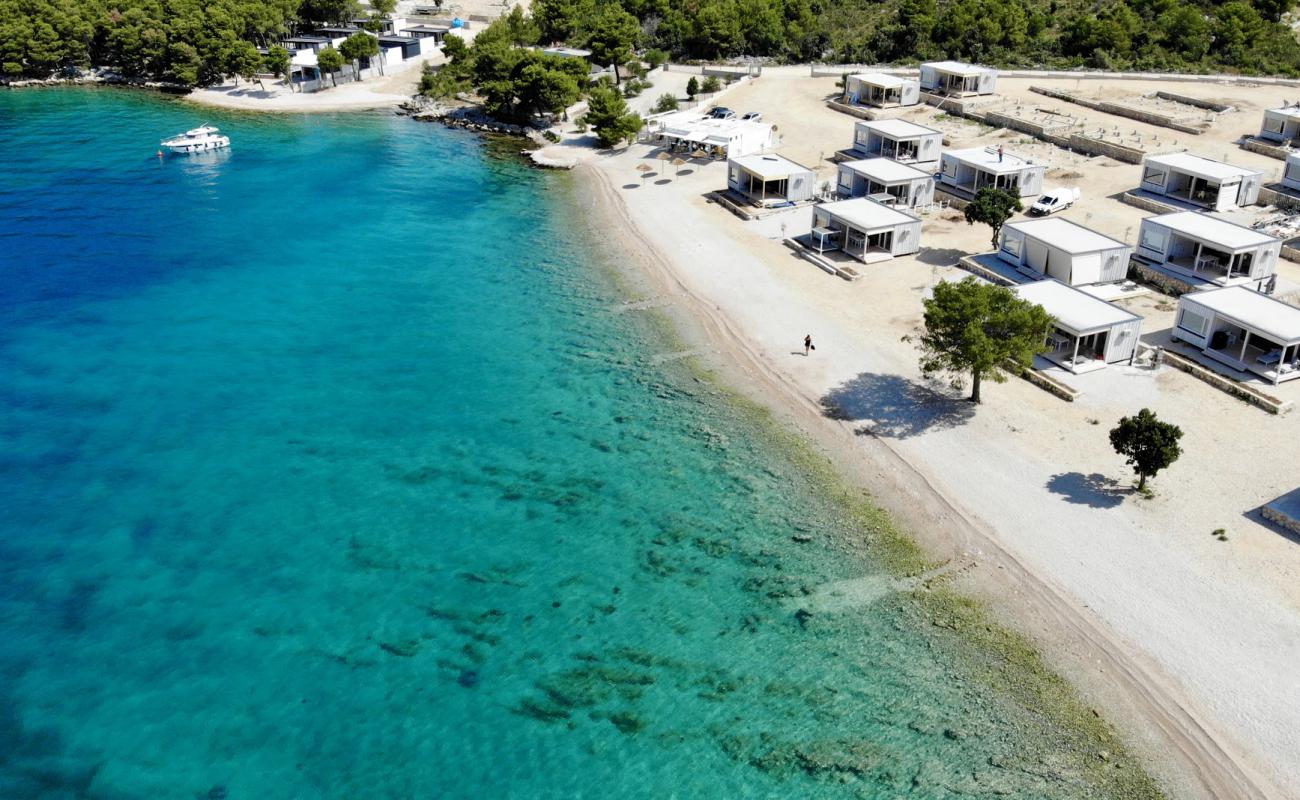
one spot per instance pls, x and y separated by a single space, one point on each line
1281 125
1206 247
905 142
1061 249
1291 173
957 78
968 171
1201 181
881 90
1089 332
886 181
770 180
1244 329
865 229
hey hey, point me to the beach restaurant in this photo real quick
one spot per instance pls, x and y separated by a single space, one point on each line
1088 332
885 181
1200 181
881 90
864 229
1246 330
770 180
1064 250
691 132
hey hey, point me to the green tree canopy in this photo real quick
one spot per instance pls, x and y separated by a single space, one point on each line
330 61
1147 443
612 35
278 61
993 207
358 46
243 61
609 117
980 329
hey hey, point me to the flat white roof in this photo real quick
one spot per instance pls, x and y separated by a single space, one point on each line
1066 235
867 214
957 67
883 80
885 170
1078 311
769 166
1210 228
1270 316
1201 167
986 158
898 128
1286 111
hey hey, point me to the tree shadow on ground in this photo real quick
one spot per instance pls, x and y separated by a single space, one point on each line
940 256
894 407
1095 490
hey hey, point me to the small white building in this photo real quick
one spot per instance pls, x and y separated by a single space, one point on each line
905 142
1291 172
886 181
1201 181
970 170
1244 329
1203 246
881 90
1058 248
1281 125
690 131
1089 333
957 78
864 229
770 180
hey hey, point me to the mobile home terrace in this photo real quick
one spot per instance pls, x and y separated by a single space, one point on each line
1208 248
957 78
768 180
881 90
689 132
886 181
1089 333
905 142
970 170
864 229
1200 181
1281 124
1243 329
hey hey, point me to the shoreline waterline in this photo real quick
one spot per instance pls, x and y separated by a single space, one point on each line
1114 676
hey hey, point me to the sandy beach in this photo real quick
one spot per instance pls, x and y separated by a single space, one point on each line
1187 642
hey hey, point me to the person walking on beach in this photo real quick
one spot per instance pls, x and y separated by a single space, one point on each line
807 344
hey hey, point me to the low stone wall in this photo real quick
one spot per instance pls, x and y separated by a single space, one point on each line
1275 195
1051 385
861 112
1280 518
1163 281
1149 117
1237 389
1208 105
1024 126
953 105
1100 147
1265 148
1148 203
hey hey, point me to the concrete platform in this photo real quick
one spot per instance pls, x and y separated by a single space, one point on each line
1285 511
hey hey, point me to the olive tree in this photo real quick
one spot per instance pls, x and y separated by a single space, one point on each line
1148 444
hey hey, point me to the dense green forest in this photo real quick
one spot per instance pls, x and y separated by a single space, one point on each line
199 41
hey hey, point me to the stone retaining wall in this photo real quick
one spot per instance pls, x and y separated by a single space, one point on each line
1148 203
1166 283
1100 147
1257 145
1237 389
1150 117
977 269
1208 105
852 110
1275 195
1051 385
1280 518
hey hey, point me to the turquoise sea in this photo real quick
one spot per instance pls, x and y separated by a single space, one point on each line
334 466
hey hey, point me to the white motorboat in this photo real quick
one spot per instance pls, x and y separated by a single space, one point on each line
198 140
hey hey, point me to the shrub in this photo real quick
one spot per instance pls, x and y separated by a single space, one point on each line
656 58
711 84
666 102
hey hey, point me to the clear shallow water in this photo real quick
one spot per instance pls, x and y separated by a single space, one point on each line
331 468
